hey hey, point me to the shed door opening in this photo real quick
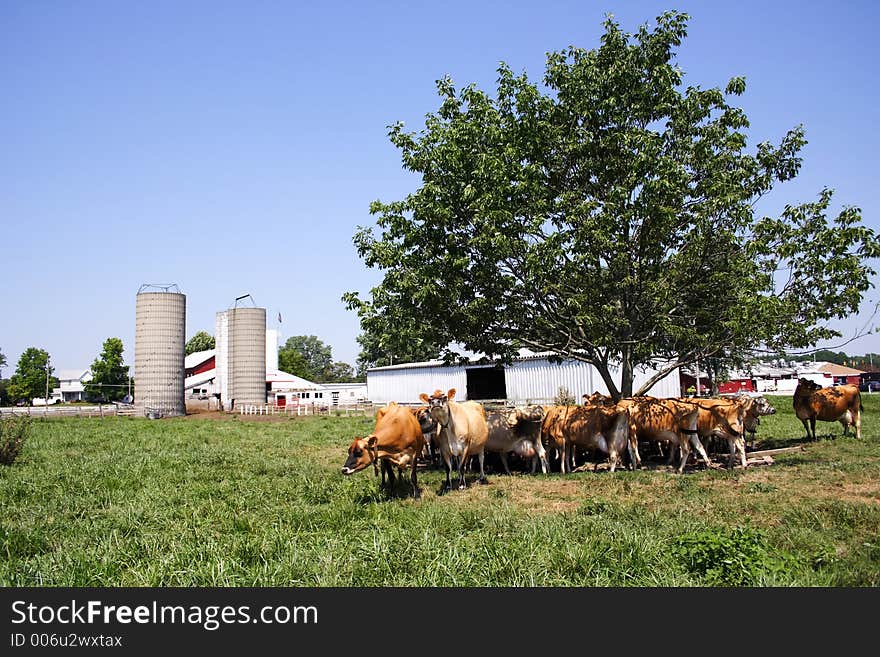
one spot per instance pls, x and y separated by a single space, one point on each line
486 383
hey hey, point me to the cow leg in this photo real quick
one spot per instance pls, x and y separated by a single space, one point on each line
633 448
857 422
685 454
480 458
740 444
416 493
503 462
698 445
813 427
447 464
542 455
613 458
391 479
806 428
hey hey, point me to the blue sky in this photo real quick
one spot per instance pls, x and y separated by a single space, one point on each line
234 147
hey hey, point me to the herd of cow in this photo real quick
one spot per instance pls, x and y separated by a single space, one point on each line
454 432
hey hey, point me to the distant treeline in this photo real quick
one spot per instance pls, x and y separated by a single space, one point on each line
869 361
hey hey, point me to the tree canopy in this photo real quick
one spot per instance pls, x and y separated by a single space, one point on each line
30 379
201 341
109 373
609 216
308 357
376 350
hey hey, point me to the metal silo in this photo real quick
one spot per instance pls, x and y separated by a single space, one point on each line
241 355
159 372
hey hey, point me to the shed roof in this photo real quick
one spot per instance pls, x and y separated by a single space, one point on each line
838 370
198 357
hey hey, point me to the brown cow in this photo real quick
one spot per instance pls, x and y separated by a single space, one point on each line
663 420
463 433
397 440
722 418
592 426
838 404
517 430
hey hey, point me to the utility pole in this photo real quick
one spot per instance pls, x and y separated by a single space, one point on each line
46 405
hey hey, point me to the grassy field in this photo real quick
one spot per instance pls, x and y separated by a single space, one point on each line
262 502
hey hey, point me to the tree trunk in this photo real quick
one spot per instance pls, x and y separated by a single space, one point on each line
626 374
609 381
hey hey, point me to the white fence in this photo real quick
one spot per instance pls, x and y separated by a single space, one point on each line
97 410
362 408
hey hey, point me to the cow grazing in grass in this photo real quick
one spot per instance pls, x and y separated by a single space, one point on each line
663 420
397 440
592 426
463 433
517 430
838 404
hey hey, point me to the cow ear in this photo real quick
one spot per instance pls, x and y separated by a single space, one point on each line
451 394
371 441
425 398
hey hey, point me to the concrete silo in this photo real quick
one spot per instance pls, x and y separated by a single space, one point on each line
240 335
159 340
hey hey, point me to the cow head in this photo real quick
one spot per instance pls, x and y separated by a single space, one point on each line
808 385
763 407
438 404
525 414
426 421
361 453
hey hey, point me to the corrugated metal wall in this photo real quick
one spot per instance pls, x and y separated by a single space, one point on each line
404 384
534 380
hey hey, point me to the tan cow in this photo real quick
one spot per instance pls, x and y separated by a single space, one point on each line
838 404
722 419
463 433
397 440
663 420
591 426
517 430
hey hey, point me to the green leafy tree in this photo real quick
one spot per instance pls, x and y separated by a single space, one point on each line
29 381
201 341
109 373
338 372
376 347
293 362
310 358
609 216
2 363
316 356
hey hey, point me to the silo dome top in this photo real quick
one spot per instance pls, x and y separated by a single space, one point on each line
159 287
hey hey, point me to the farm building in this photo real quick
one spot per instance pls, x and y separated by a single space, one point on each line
72 385
783 378
282 388
531 378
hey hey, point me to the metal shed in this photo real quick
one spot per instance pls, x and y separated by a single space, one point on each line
529 379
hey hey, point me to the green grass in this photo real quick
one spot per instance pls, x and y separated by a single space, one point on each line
237 502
